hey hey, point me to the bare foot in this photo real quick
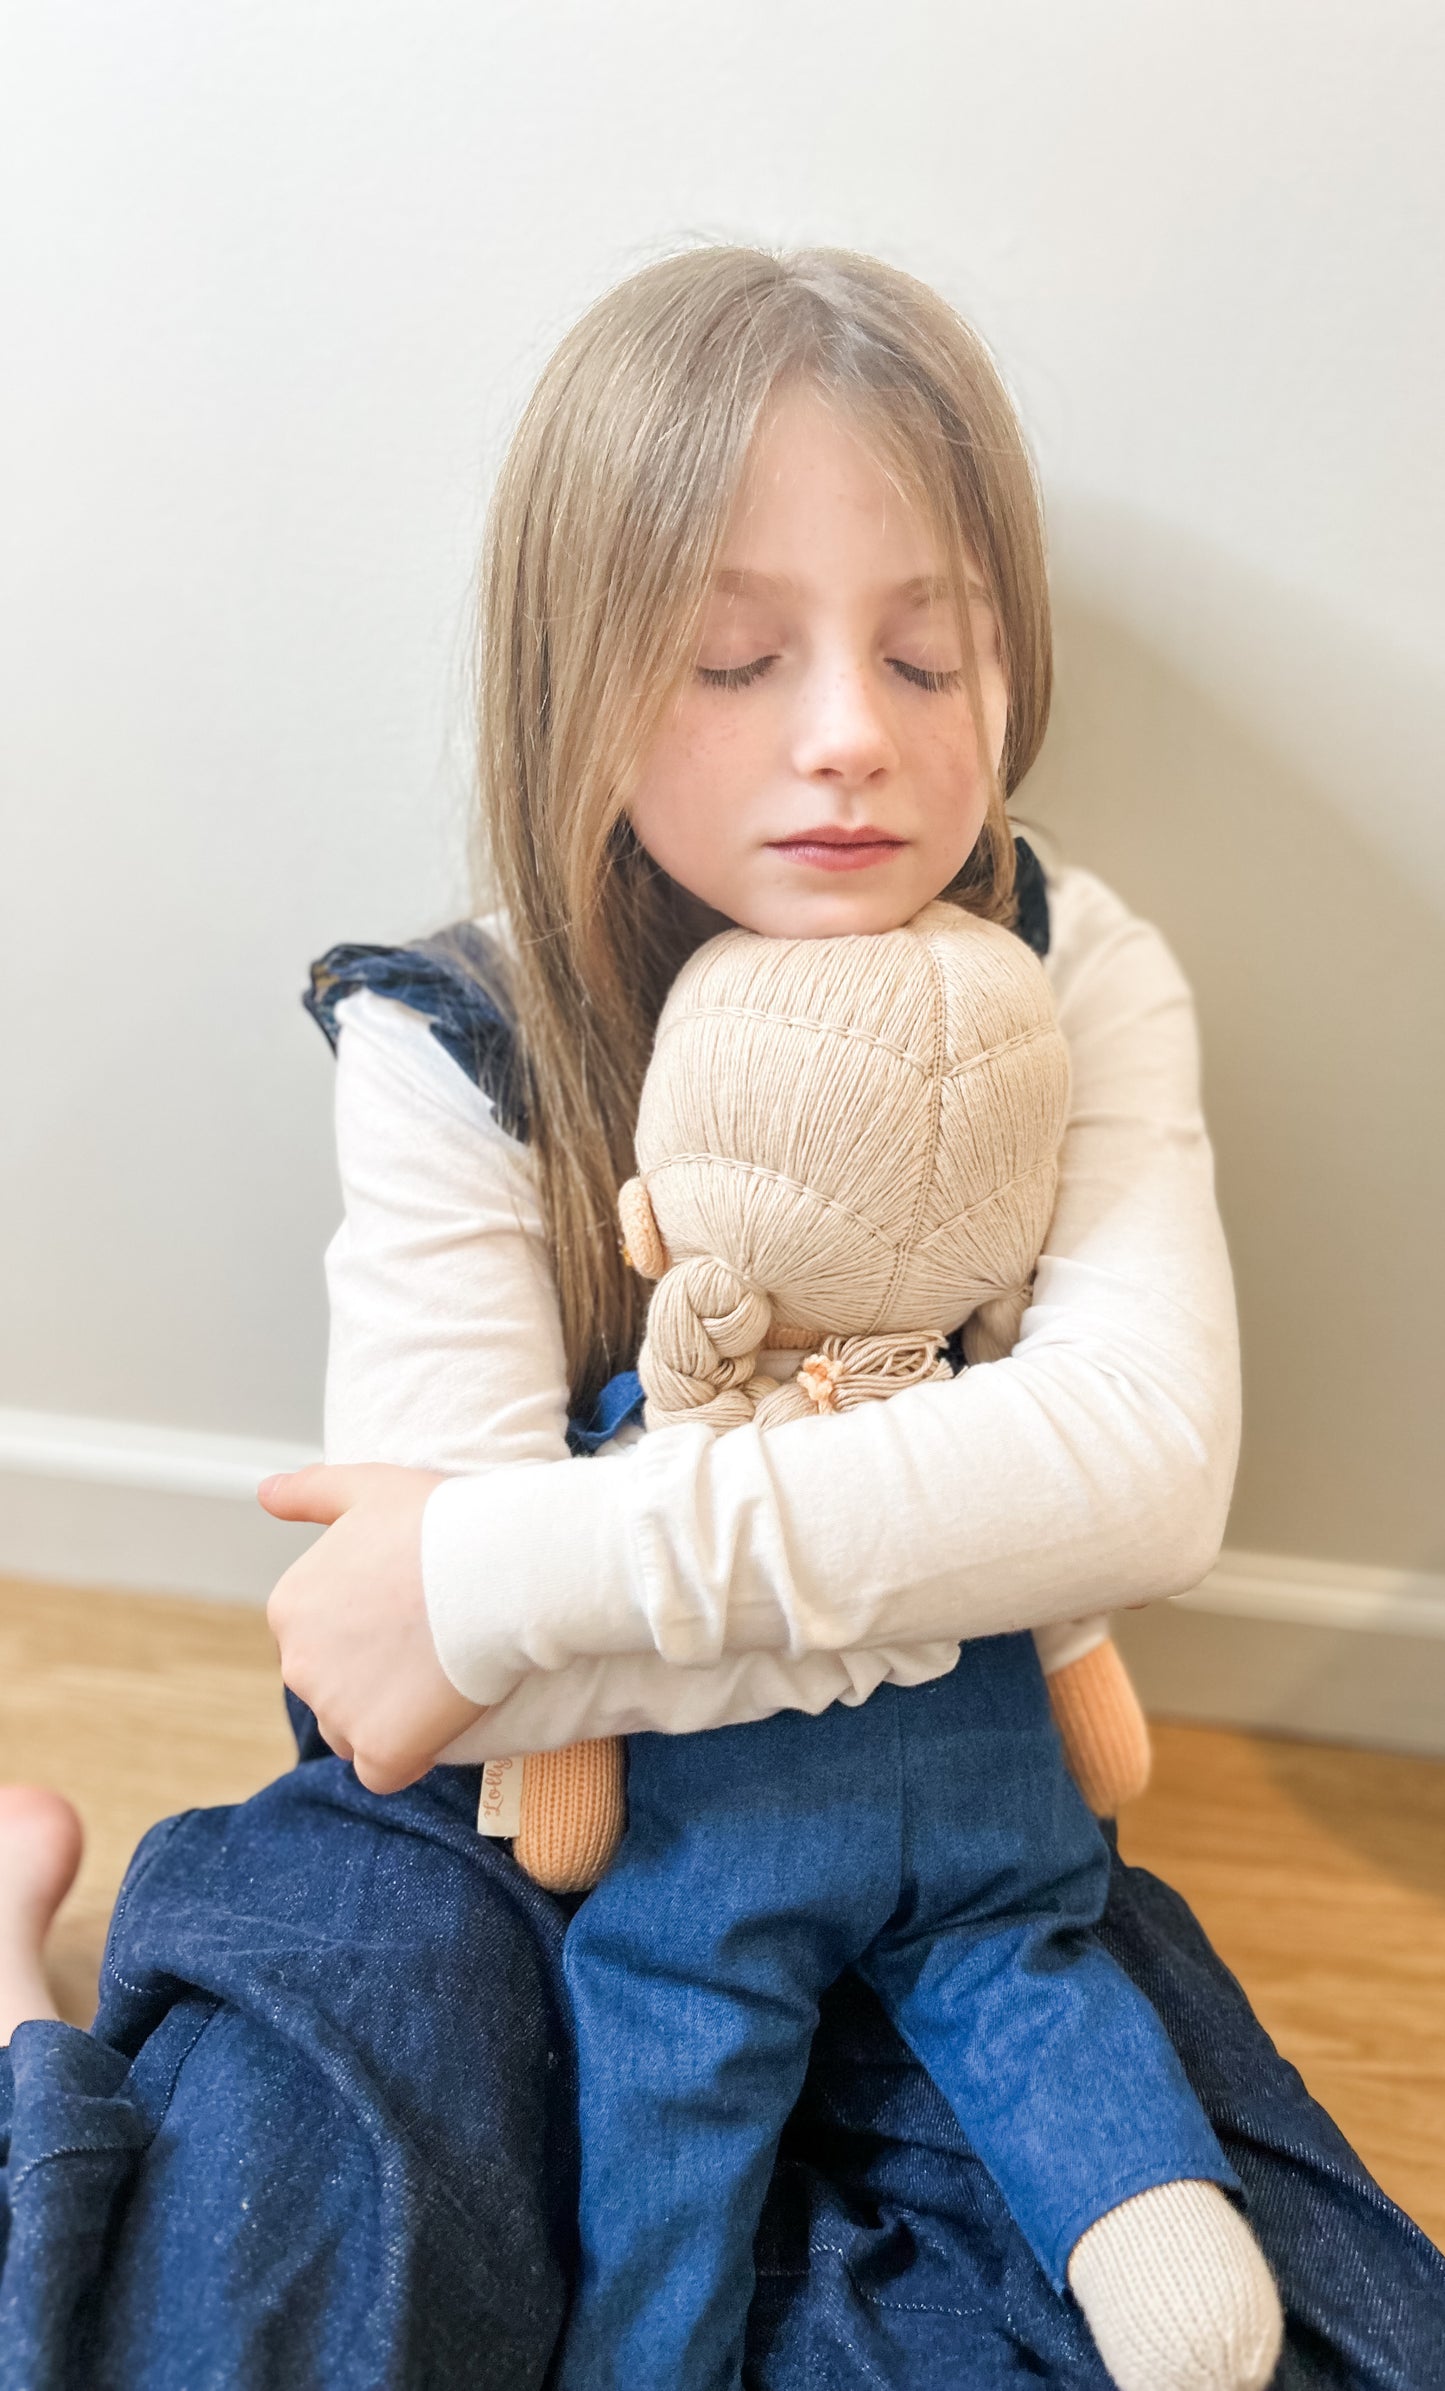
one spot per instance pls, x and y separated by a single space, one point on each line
40 1839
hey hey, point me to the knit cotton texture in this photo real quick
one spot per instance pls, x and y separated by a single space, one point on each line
1177 2293
572 1813
1106 1736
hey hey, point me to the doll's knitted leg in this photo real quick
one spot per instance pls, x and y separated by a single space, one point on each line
1104 1731
572 1810
1177 2293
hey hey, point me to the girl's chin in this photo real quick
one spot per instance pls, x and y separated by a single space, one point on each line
828 913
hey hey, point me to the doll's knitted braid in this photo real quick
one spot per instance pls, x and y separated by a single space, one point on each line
705 1325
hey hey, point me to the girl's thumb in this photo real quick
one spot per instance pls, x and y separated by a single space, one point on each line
319 1494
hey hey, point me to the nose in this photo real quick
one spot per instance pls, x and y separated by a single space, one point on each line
842 731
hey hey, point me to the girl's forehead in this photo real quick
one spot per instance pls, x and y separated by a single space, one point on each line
820 490
919 589
806 442
920 593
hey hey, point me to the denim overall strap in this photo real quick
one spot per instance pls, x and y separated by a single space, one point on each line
456 981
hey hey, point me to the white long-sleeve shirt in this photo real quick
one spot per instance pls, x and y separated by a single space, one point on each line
681 1579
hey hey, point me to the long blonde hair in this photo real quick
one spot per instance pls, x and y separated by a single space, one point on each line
602 540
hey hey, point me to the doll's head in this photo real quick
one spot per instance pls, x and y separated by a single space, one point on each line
849 1138
620 711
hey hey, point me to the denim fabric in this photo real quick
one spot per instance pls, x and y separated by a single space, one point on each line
456 982
933 1839
323 2132
321 2139
620 1401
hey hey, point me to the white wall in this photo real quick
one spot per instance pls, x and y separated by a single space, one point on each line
276 278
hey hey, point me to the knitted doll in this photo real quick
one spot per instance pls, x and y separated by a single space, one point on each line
976 1273
848 1147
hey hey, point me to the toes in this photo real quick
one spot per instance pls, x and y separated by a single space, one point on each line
40 1846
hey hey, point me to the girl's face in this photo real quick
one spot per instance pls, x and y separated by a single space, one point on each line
822 772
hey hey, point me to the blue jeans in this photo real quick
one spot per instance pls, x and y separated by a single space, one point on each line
932 1839
321 2138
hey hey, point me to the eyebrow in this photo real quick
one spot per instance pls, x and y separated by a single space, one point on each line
925 589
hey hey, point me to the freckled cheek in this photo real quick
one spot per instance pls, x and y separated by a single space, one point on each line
723 765
968 754
706 743
692 809
948 757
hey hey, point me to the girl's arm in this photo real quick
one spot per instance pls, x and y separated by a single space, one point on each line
1091 1468
445 1345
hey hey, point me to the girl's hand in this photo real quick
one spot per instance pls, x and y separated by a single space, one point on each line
350 1619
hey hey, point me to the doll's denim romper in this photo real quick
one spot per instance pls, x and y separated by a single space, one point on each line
930 1838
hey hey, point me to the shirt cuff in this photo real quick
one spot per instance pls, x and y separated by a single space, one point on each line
1063 1641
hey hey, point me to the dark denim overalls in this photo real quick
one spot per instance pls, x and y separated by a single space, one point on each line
321 2136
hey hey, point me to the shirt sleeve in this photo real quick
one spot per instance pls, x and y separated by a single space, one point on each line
1091 1468
445 1348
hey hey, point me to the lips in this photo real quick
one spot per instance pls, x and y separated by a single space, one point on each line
830 848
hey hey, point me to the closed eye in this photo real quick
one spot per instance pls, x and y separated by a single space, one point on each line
735 676
925 680
740 676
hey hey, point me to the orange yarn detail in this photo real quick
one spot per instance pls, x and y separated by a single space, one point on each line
1104 1731
819 1378
572 1814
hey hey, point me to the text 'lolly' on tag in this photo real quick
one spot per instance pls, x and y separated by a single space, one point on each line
499 1805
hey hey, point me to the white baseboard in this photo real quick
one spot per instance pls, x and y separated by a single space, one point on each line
1322 1648
1329 1594
95 1502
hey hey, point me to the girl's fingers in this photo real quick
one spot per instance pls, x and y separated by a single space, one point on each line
383 1776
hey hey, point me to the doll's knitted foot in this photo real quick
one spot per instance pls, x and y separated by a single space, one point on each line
1177 2293
39 1854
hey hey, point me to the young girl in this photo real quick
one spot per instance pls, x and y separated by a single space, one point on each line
322 2131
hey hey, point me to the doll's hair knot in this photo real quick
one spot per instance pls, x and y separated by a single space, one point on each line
845 1371
819 1378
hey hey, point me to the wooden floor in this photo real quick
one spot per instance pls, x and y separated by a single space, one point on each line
1318 1872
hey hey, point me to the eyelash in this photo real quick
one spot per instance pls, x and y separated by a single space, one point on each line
740 676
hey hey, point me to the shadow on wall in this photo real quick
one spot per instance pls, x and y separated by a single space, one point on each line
1265 784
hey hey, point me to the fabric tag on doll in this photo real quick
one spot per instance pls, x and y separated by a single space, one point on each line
499 1806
